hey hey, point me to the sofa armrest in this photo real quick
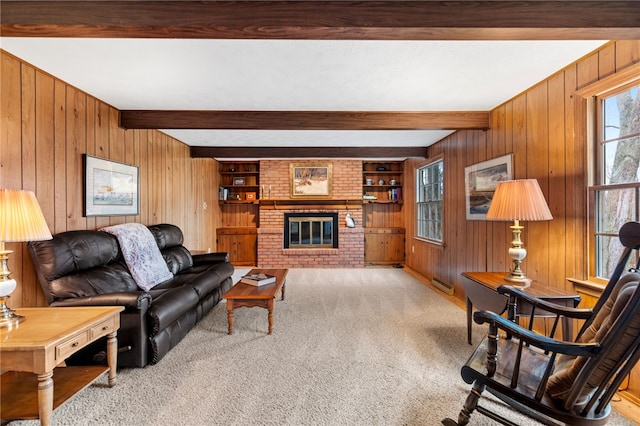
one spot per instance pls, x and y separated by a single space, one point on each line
200 259
130 300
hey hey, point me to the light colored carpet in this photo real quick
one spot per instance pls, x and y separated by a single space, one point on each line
350 347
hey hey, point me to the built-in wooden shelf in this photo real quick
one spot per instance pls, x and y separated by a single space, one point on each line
238 202
382 201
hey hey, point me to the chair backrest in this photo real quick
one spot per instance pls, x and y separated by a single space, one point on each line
615 326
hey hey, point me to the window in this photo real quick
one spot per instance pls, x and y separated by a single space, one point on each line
430 191
616 196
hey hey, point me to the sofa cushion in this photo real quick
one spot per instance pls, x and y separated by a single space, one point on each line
178 259
111 278
561 382
73 251
166 235
168 305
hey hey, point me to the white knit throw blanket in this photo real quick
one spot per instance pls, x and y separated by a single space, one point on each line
141 253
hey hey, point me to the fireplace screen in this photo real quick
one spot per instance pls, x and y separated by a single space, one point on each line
311 230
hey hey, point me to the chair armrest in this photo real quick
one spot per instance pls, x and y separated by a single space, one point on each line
535 339
576 313
130 300
199 259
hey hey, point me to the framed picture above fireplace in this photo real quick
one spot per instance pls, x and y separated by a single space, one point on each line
310 180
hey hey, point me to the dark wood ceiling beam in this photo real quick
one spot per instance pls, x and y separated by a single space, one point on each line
308 152
304 120
348 20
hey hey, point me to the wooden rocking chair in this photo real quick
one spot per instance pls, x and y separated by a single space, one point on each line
553 381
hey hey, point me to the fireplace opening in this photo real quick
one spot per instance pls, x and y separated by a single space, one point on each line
311 230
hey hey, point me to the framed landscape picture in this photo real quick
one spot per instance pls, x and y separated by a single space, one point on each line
110 188
310 180
480 182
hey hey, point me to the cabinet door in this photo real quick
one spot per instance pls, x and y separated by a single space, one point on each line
394 247
226 243
374 247
246 249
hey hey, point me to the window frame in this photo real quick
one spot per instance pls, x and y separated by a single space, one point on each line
598 187
418 188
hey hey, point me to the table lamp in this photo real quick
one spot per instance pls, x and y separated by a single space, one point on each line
20 220
518 200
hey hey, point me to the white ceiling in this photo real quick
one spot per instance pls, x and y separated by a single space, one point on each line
290 75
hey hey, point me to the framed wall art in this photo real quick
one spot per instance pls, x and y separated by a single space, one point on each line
310 180
480 182
239 181
110 188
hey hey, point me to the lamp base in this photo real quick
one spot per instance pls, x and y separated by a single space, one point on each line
11 321
516 277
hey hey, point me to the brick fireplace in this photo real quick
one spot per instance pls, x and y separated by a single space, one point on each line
346 185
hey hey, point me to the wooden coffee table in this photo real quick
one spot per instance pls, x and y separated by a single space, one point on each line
249 296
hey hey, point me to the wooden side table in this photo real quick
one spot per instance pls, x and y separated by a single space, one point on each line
41 343
481 289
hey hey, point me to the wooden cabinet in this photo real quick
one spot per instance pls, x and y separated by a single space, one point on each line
239 182
240 211
383 246
240 243
383 219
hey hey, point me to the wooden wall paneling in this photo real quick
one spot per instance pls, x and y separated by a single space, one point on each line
76 145
45 184
627 53
27 295
131 159
481 228
496 147
607 60
60 157
11 131
10 154
92 119
536 265
556 189
145 166
116 151
588 70
574 168
449 270
157 180
102 148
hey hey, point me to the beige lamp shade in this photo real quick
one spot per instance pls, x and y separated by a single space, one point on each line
520 199
21 218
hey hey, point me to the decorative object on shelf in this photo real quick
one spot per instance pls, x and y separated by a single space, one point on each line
232 170
369 197
20 220
250 196
518 200
310 180
393 182
369 182
480 182
110 188
349 221
381 169
238 181
381 182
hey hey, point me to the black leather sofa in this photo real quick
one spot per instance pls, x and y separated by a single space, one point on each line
86 268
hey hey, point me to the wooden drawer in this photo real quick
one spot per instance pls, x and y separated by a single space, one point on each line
102 329
70 346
